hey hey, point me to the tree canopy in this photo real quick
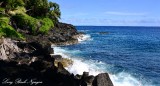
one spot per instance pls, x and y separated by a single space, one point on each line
37 16
35 8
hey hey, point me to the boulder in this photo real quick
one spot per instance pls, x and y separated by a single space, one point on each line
102 79
89 80
85 74
64 61
86 80
61 69
77 76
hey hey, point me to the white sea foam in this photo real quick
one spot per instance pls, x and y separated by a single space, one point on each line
64 53
83 30
59 51
95 67
84 37
79 66
125 79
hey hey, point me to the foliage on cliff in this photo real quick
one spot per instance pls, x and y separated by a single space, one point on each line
7 30
35 16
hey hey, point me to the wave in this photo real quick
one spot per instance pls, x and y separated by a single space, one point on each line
79 65
84 37
95 67
125 79
83 30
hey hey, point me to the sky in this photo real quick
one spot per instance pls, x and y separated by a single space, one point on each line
110 12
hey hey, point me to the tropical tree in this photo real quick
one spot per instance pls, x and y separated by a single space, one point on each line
54 12
37 7
11 4
43 8
6 6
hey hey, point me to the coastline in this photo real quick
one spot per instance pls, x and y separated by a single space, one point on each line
26 55
37 47
76 39
42 64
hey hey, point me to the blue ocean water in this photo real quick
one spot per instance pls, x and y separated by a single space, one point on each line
131 55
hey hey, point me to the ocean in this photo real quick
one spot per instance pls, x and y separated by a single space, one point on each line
131 55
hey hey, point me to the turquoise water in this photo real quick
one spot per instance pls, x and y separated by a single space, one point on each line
131 55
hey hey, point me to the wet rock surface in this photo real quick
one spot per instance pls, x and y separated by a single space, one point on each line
35 62
102 79
44 71
61 34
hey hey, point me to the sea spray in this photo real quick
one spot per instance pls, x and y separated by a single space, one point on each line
95 67
84 37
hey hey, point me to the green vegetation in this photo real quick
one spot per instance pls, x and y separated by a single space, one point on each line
43 8
4 20
7 30
35 16
18 10
24 21
2 11
46 25
35 25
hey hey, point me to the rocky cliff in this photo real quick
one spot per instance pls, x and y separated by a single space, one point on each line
34 65
28 28
32 62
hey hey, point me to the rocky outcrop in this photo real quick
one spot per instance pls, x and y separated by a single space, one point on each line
61 34
35 59
41 67
86 79
47 74
65 62
102 79
8 49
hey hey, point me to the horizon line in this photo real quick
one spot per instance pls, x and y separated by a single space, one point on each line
116 26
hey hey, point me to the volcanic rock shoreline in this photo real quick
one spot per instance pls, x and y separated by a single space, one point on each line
34 61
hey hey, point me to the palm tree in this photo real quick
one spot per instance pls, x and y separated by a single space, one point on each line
54 12
7 5
11 4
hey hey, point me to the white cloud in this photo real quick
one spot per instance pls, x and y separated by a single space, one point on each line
125 13
124 22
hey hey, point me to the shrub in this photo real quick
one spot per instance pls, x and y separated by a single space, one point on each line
24 21
18 10
4 20
35 25
8 31
2 12
47 24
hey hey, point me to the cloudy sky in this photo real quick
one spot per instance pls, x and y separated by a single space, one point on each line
110 12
